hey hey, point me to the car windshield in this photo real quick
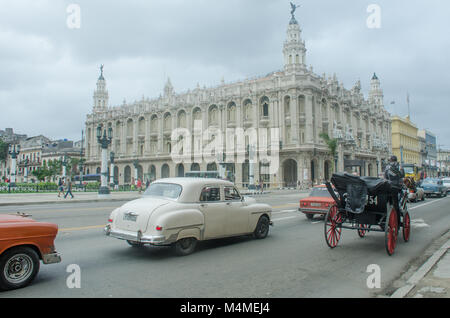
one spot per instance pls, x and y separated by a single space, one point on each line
446 181
429 181
409 170
320 192
166 190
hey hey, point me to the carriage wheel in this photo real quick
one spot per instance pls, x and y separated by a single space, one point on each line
406 226
362 233
332 227
391 231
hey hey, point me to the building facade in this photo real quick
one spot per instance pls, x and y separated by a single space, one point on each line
405 142
431 161
270 127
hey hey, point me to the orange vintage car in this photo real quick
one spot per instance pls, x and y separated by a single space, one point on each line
23 243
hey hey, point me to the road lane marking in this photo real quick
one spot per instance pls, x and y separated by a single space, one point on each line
82 228
423 204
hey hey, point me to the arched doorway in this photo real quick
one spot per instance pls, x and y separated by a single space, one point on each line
152 173
211 166
195 167
116 175
313 171
127 175
326 169
180 170
290 173
165 171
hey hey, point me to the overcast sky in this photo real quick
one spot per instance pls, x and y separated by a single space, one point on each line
48 70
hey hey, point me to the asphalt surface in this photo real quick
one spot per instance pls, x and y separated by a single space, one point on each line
293 261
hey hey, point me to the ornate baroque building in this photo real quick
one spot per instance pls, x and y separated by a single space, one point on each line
295 101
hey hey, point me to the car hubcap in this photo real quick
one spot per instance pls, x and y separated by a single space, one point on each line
18 268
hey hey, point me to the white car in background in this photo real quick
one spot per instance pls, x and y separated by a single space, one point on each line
446 183
182 211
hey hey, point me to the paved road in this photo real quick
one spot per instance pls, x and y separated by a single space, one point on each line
294 261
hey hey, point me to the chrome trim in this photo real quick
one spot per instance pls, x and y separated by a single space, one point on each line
137 237
312 210
52 258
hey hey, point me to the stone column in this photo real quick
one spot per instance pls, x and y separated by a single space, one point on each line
309 126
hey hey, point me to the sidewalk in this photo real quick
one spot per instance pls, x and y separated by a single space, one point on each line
48 198
432 278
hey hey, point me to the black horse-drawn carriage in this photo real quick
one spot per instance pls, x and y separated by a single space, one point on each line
366 204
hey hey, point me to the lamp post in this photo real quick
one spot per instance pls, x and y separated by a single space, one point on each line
104 140
13 151
82 160
64 166
81 166
25 172
136 174
111 177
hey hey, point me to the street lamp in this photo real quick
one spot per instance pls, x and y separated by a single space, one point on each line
25 173
13 151
64 165
104 141
136 173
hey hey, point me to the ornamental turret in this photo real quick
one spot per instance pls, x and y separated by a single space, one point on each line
101 96
294 49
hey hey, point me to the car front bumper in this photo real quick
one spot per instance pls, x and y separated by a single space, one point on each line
136 236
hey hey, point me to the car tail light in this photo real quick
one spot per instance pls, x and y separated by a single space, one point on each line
110 220
159 228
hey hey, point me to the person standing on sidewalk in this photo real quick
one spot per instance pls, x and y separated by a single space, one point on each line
69 188
60 187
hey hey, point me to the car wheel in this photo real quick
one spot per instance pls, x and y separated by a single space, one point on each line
309 216
135 244
262 228
18 267
185 246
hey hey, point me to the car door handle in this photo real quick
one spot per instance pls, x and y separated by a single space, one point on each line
228 203
203 205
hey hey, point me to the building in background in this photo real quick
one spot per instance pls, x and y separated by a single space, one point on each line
431 162
443 161
29 158
294 101
405 142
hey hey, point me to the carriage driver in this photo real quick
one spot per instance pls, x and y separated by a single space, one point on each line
395 175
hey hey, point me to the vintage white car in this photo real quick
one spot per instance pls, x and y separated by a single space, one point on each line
183 211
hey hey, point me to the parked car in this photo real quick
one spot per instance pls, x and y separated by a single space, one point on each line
446 182
179 212
23 244
318 202
434 186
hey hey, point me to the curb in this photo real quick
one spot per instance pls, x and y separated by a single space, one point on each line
66 201
421 272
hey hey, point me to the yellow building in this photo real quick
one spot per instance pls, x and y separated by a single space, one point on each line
405 143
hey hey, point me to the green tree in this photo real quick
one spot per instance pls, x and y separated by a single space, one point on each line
331 143
3 150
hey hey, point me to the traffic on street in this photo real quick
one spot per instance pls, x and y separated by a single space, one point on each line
293 261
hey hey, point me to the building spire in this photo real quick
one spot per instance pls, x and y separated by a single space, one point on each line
294 50
101 96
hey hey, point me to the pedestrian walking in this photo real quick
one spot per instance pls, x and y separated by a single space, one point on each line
69 189
60 187
139 185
